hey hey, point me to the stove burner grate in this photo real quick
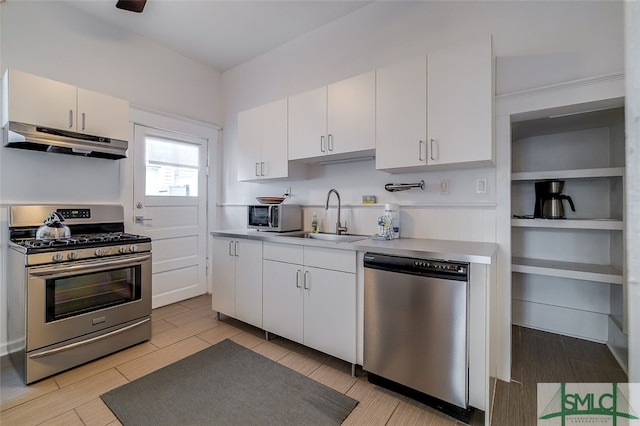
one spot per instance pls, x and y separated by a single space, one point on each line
78 240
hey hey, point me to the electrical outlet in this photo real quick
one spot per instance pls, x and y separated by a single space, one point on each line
287 192
481 186
444 186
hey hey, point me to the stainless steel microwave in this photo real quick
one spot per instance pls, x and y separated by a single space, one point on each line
274 217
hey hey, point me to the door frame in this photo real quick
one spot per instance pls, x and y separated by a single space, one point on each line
174 123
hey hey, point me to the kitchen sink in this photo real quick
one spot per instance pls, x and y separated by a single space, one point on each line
343 238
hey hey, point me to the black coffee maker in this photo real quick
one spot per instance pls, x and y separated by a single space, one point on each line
549 200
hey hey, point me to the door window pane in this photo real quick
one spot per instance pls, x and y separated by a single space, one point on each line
172 168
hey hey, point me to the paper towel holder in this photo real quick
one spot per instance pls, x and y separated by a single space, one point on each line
394 187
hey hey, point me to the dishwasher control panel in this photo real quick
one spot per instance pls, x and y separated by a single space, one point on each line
417 266
440 266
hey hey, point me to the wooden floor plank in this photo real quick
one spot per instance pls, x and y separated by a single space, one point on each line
95 413
14 392
70 418
375 407
539 357
82 372
73 397
191 315
333 378
171 336
59 402
162 357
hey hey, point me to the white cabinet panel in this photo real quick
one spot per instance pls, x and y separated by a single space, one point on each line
401 115
289 253
102 115
308 124
249 282
312 306
282 300
39 101
333 121
460 104
262 142
351 114
237 279
329 312
224 276
339 260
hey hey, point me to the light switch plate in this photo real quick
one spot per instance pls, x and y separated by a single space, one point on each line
444 187
481 186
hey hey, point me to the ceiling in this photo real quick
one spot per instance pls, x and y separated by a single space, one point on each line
221 33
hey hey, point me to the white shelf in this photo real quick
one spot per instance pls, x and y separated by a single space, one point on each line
570 174
598 224
578 271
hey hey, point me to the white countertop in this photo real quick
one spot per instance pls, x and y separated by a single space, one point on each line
462 251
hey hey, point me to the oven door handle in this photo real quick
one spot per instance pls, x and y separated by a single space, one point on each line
53 272
88 341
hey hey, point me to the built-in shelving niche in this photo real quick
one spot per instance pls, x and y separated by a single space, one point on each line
568 274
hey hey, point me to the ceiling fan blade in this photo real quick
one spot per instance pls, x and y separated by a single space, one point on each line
131 5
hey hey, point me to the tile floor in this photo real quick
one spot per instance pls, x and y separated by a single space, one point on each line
179 330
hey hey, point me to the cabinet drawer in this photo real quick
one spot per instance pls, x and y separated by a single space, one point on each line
337 260
289 253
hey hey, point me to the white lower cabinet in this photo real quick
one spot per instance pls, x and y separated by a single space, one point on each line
282 299
305 301
237 279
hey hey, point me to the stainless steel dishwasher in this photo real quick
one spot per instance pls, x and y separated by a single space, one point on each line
415 325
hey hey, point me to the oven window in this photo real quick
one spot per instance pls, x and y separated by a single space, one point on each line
79 294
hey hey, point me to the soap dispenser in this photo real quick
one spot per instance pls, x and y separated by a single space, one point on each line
314 224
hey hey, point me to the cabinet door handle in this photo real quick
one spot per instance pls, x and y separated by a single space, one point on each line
321 143
306 282
235 249
420 150
330 142
257 172
70 118
298 278
262 168
431 141
83 121
230 245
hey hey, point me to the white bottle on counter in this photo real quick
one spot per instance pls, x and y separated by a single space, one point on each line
393 211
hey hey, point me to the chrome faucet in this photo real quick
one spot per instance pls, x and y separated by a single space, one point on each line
339 228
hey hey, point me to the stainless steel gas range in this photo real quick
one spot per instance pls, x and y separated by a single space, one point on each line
72 300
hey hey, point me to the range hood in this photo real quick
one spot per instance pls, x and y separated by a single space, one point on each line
37 138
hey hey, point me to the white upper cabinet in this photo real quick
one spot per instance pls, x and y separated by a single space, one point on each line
401 115
262 142
308 124
351 114
436 111
336 121
39 101
102 115
460 82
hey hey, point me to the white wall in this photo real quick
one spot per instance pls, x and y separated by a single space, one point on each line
536 43
632 213
54 40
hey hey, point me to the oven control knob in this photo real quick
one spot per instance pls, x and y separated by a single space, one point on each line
58 257
99 252
123 249
72 256
133 248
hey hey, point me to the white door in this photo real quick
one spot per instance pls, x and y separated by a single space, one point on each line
169 205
